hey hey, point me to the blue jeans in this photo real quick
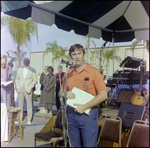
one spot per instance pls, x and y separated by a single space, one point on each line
83 129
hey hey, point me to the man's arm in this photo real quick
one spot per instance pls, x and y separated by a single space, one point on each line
41 78
70 94
52 84
17 78
34 79
12 76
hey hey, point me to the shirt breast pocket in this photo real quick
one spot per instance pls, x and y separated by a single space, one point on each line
88 84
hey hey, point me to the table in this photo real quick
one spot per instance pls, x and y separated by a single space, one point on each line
4 123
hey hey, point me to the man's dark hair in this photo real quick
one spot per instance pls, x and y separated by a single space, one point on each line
75 46
10 64
60 66
50 67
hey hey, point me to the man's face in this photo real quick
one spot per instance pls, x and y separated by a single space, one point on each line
78 56
26 62
59 69
3 63
9 66
50 71
46 69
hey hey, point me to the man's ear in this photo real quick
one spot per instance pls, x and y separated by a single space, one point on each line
71 58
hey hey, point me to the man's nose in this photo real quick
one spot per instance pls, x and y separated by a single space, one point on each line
77 56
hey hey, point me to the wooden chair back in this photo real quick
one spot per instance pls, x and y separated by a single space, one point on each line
111 130
139 135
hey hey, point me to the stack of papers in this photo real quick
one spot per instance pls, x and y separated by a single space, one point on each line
82 97
6 83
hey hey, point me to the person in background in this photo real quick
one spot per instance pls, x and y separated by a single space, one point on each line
10 65
83 128
102 72
34 88
58 85
105 80
38 78
49 88
6 75
42 109
25 81
101 104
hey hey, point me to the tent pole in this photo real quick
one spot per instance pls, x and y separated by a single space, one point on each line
113 50
102 47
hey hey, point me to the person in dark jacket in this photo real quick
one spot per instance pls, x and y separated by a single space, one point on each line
42 110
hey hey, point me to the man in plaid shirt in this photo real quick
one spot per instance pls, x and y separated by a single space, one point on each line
25 81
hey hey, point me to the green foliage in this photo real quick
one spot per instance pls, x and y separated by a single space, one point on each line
93 58
13 56
51 47
89 41
20 30
58 51
107 55
134 44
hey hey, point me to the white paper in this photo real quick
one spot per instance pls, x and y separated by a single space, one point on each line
82 97
6 83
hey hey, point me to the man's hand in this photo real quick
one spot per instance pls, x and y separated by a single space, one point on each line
70 95
80 108
2 83
47 89
57 80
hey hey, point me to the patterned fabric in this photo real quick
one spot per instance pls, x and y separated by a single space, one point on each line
7 75
28 82
49 83
42 79
61 76
13 109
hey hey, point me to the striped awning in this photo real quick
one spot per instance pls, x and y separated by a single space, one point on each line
122 20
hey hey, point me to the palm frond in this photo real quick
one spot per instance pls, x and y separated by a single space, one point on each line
46 52
13 59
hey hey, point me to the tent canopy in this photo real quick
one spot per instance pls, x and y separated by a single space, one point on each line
122 20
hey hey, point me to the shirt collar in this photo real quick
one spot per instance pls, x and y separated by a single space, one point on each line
46 73
86 68
28 67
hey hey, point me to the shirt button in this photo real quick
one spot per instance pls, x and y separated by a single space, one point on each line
78 76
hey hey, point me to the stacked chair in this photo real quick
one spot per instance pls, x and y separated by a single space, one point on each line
52 131
110 133
139 135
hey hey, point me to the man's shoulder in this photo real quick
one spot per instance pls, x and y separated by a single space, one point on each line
8 69
32 69
19 69
91 68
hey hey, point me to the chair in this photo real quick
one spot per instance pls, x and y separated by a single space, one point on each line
52 131
110 132
12 110
139 135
